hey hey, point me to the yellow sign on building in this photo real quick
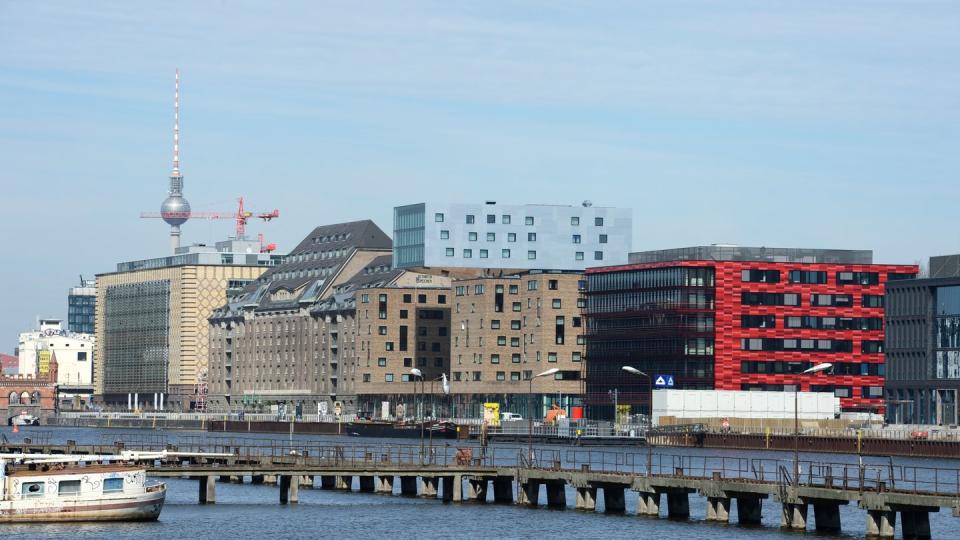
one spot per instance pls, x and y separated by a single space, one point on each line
491 414
43 363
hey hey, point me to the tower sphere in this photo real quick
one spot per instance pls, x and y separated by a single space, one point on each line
175 210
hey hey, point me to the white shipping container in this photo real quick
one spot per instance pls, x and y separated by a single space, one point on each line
743 404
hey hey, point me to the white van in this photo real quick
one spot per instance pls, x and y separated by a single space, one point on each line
510 417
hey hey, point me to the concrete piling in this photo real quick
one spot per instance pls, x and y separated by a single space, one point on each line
478 489
826 516
649 504
881 523
503 490
556 494
718 509
586 498
749 510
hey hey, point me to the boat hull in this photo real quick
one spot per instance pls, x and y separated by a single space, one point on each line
144 507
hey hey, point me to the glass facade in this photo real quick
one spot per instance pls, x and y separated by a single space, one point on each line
657 320
81 313
408 235
947 333
136 334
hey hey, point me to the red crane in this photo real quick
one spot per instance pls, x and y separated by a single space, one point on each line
241 216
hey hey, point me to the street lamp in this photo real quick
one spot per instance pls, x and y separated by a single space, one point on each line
446 391
796 422
635 371
417 373
550 371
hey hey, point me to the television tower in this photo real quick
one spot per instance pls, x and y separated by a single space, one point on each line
175 210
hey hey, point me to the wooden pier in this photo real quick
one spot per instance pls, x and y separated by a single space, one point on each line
500 475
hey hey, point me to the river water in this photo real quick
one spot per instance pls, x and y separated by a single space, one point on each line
252 511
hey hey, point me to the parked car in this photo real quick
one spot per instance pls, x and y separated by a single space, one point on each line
510 417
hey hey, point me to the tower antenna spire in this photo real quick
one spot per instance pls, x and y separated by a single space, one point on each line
176 124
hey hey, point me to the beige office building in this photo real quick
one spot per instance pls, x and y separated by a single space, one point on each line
506 330
151 323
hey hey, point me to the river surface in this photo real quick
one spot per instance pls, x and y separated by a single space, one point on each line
252 511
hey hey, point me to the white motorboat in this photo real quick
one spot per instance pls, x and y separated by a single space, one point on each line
43 488
23 419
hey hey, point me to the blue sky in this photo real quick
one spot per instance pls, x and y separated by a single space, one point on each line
797 124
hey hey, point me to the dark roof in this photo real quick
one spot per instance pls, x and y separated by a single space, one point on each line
309 268
378 273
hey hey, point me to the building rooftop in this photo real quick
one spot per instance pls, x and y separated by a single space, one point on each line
726 252
230 252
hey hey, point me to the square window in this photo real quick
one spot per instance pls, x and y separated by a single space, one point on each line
388 377
444 235
556 303
576 239
491 237
494 324
450 252
494 358
551 357
576 356
505 253
404 314
578 256
515 358
382 362
382 330
472 236
575 221
500 376
467 253
112 485
491 218
603 239
35 489
531 237
528 220
598 255
505 219
511 237
438 217
470 219
531 254
514 289
517 306
483 254
598 221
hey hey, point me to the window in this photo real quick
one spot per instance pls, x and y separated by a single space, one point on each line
421 299
556 303
450 252
760 276
382 330
517 306
484 254
441 299
494 324
603 239
578 256
598 255
514 289
444 235
576 239
769 299
515 324
476 376
532 284
505 253
514 375
598 221
872 392
831 300
491 237
470 219
479 289
576 322
388 346
388 377
515 358
438 217
404 314
873 300
364 298
468 254
808 276
112 485
502 341
67 488
514 342
897 276
506 219
472 236
494 358
531 254
491 218
576 356
551 357
382 362
757 321
500 376
531 237
858 278
31 490
553 284
575 221
366 377
511 237
528 220
872 347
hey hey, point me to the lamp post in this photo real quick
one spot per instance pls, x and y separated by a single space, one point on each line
446 391
417 373
550 371
796 422
635 371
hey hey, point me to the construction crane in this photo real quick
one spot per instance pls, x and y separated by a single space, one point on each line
240 217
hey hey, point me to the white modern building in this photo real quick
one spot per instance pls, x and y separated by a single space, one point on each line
73 352
491 235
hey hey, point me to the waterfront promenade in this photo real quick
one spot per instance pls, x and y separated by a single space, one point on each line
555 478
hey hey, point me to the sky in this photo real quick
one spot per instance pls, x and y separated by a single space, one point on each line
830 124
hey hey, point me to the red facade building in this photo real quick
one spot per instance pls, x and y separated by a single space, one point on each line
737 318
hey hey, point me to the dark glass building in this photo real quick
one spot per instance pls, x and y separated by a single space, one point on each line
923 346
82 307
737 318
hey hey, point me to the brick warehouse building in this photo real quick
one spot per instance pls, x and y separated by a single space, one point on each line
738 318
